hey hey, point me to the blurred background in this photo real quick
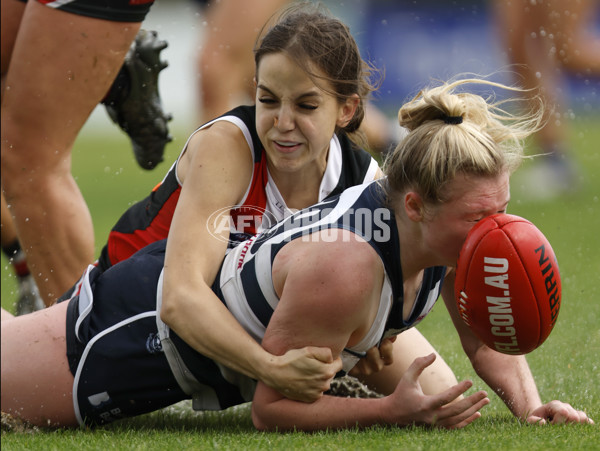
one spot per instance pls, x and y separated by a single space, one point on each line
553 45
413 41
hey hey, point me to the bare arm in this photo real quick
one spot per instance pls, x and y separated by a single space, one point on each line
328 297
508 376
216 174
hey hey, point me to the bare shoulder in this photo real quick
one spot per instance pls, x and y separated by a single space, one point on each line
331 253
331 282
331 264
223 143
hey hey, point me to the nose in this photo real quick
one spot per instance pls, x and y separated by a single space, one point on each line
284 119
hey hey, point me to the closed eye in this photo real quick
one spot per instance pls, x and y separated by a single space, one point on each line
306 106
267 101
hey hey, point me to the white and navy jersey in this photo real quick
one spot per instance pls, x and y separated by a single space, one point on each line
262 205
246 284
126 361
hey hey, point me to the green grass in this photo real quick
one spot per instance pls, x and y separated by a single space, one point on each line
566 366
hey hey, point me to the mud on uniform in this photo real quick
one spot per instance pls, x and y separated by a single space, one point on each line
126 361
261 207
113 10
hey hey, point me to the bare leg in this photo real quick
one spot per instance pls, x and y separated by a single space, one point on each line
6 315
570 23
7 226
226 63
62 65
408 346
10 20
531 44
37 384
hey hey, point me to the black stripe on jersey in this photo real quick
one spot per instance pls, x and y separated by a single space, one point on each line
254 295
247 113
355 164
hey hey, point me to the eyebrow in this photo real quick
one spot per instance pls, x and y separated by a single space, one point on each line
308 94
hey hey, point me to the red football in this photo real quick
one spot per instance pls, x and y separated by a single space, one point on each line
508 288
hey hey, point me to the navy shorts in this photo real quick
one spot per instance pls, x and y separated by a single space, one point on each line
113 347
113 10
115 351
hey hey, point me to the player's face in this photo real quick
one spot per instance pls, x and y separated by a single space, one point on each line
470 200
295 119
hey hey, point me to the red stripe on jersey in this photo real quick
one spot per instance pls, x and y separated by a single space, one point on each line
248 217
121 246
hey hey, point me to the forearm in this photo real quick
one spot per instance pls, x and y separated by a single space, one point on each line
510 378
270 412
207 326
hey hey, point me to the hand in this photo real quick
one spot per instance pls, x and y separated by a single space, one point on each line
376 359
302 374
409 405
556 412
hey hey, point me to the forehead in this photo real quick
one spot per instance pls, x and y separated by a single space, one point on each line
472 194
279 71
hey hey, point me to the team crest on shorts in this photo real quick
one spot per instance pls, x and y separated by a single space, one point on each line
153 344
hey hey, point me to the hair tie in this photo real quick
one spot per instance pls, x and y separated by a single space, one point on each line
454 120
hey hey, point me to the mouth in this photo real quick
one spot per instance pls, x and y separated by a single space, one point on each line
286 146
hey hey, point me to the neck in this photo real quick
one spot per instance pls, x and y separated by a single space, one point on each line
299 189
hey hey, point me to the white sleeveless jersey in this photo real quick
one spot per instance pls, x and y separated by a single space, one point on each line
246 285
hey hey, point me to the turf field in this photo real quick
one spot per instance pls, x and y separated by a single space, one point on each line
567 366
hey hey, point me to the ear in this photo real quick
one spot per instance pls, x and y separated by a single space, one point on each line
347 110
414 206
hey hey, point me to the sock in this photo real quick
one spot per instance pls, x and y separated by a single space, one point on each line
17 258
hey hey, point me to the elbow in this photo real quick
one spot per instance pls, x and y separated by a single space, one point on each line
260 418
267 413
477 354
169 309
473 348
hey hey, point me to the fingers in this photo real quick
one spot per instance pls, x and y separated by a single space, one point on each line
451 394
375 359
557 412
386 351
567 414
304 374
418 366
463 412
324 355
369 364
321 354
534 419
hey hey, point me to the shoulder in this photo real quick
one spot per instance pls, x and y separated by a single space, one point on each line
328 291
331 263
220 144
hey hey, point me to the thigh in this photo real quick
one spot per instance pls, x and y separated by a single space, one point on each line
408 346
62 65
10 19
36 381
